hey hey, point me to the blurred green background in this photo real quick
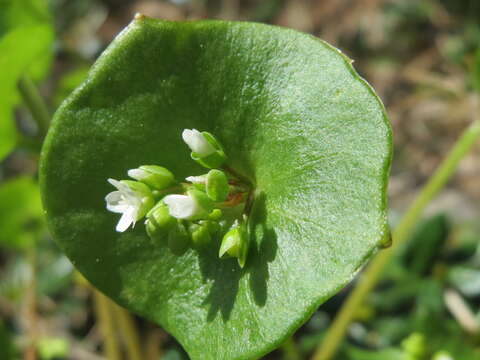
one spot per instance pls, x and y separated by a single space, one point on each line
420 56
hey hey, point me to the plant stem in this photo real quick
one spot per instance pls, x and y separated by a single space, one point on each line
370 277
31 305
153 344
35 104
234 173
129 332
105 319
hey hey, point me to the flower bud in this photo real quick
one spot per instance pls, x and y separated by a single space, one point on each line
192 206
200 234
217 185
178 238
235 243
155 176
159 221
198 182
212 226
206 150
197 179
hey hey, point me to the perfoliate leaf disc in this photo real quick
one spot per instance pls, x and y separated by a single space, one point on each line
293 116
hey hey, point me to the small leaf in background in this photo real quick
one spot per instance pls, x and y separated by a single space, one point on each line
21 215
293 116
21 13
426 244
383 354
68 83
55 275
50 348
26 38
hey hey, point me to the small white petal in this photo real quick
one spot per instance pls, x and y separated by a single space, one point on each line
197 142
115 183
180 206
197 179
125 201
123 188
128 218
113 198
115 202
130 196
137 174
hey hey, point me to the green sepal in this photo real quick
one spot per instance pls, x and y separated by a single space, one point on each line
212 226
198 186
138 187
216 214
147 196
235 244
244 246
230 244
214 160
178 238
200 234
157 177
211 161
204 203
159 221
217 185
214 142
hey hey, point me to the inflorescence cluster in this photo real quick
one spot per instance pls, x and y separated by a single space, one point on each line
187 213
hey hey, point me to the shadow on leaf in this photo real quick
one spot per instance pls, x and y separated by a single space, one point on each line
225 274
263 249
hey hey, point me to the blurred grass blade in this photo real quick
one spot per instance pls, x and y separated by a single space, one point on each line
26 38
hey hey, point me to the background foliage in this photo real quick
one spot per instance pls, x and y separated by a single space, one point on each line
419 55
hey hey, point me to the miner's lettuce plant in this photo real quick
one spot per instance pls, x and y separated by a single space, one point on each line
228 237
285 116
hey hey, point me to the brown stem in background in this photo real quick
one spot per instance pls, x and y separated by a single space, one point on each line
237 175
104 314
31 306
129 331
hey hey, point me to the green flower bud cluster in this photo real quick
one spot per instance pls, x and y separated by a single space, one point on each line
186 214
180 233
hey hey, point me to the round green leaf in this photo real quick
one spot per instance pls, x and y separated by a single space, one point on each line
293 117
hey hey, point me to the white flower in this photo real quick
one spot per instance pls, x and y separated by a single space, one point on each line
197 179
181 206
124 201
197 142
